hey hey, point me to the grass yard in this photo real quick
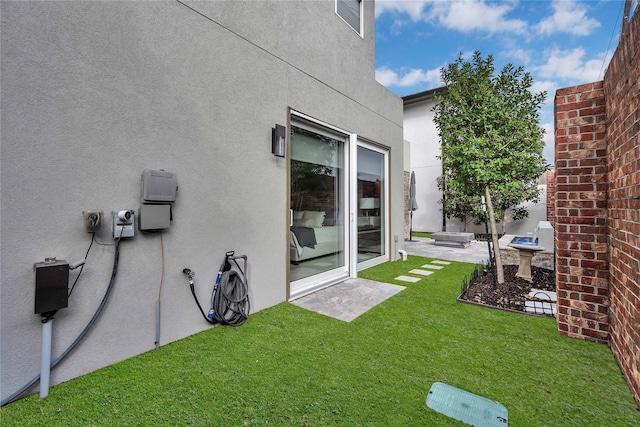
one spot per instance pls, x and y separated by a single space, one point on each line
421 234
288 366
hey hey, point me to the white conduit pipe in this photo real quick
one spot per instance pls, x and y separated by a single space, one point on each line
45 360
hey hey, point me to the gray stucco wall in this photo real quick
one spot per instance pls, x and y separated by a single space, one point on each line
95 92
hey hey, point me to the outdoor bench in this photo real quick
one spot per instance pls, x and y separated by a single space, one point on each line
452 238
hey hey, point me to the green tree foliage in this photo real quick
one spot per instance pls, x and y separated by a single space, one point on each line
490 135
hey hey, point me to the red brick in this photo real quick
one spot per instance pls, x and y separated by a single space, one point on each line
597 219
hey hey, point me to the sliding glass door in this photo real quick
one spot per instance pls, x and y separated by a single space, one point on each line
371 204
318 208
338 205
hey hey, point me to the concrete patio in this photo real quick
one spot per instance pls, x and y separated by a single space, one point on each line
475 253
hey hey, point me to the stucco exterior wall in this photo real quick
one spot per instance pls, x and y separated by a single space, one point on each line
420 130
93 93
422 133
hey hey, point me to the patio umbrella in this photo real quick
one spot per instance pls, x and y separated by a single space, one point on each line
413 204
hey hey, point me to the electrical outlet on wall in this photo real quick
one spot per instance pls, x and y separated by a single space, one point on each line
123 222
93 220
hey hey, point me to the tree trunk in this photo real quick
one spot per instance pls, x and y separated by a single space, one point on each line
494 238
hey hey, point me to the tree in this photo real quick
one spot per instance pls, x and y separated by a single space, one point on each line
491 140
456 204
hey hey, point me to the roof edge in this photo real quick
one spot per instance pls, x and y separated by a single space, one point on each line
422 96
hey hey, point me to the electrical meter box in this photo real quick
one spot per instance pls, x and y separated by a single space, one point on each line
154 217
159 186
52 285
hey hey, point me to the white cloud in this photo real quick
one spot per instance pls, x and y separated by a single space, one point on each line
540 86
460 15
521 55
413 8
389 78
571 65
548 152
386 77
569 16
477 15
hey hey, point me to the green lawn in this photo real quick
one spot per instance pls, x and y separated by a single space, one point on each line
288 366
421 234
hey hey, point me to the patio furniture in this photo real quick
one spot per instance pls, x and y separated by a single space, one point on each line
452 238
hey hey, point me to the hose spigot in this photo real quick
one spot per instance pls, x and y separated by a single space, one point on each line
190 273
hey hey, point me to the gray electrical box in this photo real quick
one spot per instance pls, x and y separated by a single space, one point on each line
123 226
159 186
154 217
52 285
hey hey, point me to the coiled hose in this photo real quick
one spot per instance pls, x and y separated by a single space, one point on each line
230 297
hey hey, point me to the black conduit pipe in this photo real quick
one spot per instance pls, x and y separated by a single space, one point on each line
80 337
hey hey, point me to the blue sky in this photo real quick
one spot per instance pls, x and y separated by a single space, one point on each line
560 42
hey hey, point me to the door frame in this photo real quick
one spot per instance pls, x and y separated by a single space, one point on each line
385 207
325 279
350 188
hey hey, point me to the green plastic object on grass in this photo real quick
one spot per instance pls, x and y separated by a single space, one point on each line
466 407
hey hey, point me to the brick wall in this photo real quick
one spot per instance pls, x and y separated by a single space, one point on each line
622 89
582 267
551 197
597 207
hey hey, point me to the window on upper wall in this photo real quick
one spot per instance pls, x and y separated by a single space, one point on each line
351 12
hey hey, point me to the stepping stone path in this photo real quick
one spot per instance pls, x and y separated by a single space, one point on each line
433 267
421 272
408 279
430 269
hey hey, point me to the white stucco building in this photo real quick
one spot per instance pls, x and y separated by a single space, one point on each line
422 134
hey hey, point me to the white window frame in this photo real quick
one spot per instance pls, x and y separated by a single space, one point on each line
361 25
387 255
322 280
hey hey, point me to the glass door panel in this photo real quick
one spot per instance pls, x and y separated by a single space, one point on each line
371 203
318 213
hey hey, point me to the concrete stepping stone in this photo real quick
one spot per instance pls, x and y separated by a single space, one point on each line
441 262
408 279
433 267
421 272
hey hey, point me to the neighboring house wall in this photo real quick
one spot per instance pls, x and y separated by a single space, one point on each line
407 182
597 205
420 130
622 89
93 93
537 212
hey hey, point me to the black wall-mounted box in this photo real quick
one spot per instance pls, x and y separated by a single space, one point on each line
52 285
